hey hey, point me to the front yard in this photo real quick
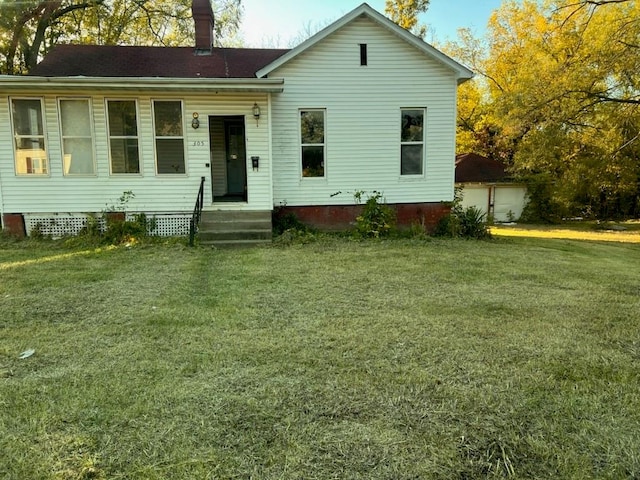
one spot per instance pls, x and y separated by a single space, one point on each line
403 359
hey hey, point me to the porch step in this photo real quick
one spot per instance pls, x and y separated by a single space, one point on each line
235 228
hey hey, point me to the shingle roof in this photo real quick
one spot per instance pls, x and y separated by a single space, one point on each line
168 62
471 167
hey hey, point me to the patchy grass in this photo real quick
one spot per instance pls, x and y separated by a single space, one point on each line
436 359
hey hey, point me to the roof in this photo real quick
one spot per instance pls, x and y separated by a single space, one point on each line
462 73
167 62
474 168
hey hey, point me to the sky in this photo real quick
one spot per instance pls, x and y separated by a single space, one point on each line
276 23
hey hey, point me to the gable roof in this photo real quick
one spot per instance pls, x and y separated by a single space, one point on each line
462 73
162 62
474 168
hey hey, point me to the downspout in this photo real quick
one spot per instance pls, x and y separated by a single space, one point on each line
270 147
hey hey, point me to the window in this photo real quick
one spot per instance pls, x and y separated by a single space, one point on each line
312 142
167 116
28 133
123 136
77 137
363 54
412 141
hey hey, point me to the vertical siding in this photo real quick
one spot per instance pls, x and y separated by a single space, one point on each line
363 119
153 193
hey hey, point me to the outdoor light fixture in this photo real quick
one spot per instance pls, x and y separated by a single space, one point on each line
195 123
256 112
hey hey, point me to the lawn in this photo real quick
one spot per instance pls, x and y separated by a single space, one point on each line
402 359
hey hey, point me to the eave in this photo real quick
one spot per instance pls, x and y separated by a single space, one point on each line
144 84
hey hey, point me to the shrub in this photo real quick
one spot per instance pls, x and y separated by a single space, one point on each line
463 222
377 219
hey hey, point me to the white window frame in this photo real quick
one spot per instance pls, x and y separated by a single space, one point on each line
92 138
47 161
124 137
323 145
155 137
423 142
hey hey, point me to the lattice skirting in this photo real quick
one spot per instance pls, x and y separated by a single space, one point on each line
69 224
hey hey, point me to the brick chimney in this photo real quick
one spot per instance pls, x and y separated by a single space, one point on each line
203 19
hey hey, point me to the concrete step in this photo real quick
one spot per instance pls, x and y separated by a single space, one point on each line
235 243
209 235
227 228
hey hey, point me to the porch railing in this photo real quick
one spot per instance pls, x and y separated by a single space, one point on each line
197 214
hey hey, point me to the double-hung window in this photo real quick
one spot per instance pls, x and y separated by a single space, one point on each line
77 136
29 140
123 136
312 142
412 141
169 137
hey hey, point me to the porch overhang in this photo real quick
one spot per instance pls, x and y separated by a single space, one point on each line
143 84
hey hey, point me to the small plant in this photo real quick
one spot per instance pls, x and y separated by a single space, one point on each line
467 222
377 218
283 221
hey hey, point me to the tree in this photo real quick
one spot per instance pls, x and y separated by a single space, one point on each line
405 13
30 28
558 98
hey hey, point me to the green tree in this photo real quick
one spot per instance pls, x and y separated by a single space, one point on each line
405 13
30 28
558 98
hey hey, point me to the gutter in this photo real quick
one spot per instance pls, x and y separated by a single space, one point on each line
206 85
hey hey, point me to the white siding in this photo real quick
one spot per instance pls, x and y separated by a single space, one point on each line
153 193
363 106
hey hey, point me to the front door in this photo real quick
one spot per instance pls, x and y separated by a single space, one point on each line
236 158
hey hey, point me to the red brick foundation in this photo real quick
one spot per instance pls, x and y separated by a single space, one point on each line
13 224
343 217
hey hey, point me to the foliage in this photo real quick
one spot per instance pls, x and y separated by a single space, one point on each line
405 13
377 218
30 28
463 222
558 95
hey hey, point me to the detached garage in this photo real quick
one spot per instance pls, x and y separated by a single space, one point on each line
486 186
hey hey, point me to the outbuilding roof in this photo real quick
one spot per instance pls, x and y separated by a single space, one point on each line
474 168
167 62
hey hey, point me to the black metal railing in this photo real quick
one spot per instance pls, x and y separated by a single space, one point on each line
197 214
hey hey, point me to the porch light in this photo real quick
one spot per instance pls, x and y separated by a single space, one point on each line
256 112
195 123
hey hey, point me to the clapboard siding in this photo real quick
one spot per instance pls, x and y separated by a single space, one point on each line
362 129
153 193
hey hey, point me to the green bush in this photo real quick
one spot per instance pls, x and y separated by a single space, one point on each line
463 222
377 219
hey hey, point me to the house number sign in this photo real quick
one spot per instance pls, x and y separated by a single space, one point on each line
199 143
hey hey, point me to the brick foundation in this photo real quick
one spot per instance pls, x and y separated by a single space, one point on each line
13 224
343 217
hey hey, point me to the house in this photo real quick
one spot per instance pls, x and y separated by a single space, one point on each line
362 105
486 185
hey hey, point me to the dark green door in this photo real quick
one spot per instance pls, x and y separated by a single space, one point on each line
236 159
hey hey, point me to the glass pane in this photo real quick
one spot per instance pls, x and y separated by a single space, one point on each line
411 163
313 161
412 122
78 156
168 118
312 127
124 156
27 117
122 118
31 156
170 155
75 118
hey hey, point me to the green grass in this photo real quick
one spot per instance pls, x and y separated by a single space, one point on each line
402 359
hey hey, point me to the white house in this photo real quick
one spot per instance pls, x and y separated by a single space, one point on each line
361 105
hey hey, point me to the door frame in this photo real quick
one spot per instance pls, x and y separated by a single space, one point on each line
223 143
